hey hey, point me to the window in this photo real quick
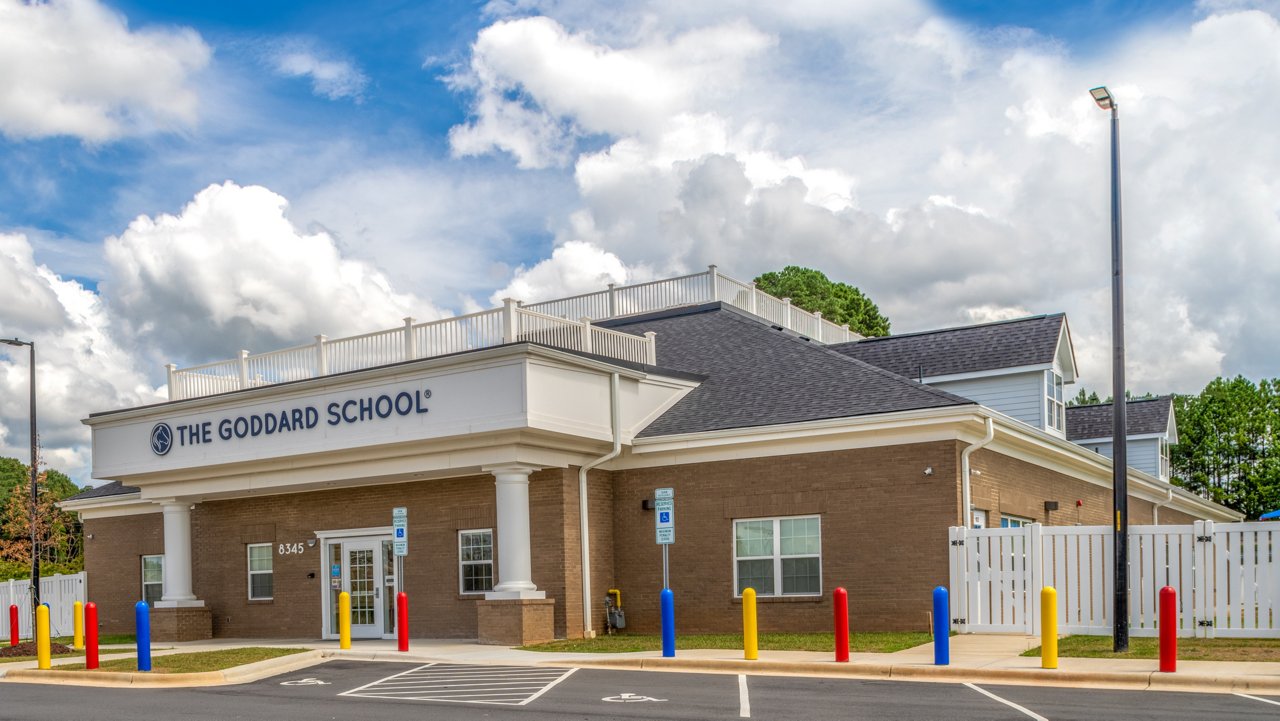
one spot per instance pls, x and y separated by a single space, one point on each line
475 560
778 556
1014 522
1164 458
1055 409
261 578
152 579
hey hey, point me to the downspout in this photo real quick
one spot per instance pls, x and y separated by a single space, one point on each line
966 494
615 419
1155 510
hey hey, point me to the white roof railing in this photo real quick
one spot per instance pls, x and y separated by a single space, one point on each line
549 323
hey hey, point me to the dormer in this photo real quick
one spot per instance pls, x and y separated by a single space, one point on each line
1151 429
1017 367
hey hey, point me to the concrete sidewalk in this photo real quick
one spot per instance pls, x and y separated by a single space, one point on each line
988 659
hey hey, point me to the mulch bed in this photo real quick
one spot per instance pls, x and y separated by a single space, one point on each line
29 649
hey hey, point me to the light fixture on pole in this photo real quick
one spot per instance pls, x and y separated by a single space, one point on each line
35 489
1119 427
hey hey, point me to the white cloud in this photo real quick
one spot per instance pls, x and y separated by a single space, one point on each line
573 268
73 67
332 79
231 271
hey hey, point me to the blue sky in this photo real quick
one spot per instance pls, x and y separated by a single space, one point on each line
182 180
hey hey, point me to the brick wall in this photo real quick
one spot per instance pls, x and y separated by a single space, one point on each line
113 558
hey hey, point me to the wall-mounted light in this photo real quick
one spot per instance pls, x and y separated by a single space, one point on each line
646 504
928 471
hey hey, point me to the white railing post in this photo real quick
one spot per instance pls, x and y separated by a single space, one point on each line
1204 611
651 347
586 334
1034 559
959 579
322 356
410 348
818 314
244 368
786 313
509 320
753 297
713 274
171 371
847 335
613 300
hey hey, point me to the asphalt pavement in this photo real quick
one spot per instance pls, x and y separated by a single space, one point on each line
358 690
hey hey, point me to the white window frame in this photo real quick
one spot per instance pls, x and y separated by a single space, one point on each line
777 555
1012 519
248 560
1166 470
1055 407
493 567
142 567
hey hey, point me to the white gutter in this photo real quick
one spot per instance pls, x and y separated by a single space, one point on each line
615 416
966 496
1155 508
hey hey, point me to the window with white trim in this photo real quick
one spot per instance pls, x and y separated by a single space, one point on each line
778 556
1164 458
1055 407
1014 521
475 560
261 575
152 579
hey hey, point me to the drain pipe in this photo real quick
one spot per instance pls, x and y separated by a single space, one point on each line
966 494
1155 509
615 416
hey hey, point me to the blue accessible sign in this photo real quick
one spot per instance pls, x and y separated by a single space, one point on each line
665 520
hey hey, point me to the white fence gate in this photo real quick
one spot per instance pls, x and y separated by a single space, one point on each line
1227 576
60 592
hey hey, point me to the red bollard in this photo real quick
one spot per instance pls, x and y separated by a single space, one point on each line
402 619
1168 630
842 625
91 635
13 625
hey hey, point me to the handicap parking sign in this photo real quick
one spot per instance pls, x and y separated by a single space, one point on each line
399 533
664 517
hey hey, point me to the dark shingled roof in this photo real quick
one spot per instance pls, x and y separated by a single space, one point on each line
757 375
114 488
1149 415
1005 344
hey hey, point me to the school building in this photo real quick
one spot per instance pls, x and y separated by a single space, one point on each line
525 444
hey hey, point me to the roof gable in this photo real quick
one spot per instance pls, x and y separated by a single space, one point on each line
1146 416
1038 340
759 375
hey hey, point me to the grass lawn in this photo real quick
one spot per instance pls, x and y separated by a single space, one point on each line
1189 649
105 640
101 652
623 643
195 662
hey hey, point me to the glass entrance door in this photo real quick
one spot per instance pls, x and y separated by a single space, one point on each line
362 579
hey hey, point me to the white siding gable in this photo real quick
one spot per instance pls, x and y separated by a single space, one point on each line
1144 454
1020 395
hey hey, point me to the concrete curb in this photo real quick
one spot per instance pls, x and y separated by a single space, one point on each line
239 674
1138 680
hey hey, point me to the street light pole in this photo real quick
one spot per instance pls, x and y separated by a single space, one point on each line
1119 426
35 488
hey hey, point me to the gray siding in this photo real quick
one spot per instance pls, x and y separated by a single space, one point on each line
1019 395
1144 454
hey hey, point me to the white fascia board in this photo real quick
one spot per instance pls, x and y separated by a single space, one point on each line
992 373
1066 363
1107 439
121 504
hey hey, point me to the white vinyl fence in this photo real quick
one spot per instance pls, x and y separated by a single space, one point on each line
1227 576
60 592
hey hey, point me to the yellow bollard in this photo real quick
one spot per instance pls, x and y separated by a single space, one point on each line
77 624
750 647
1048 627
344 620
42 637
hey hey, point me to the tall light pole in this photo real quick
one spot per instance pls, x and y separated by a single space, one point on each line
1119 427
35 489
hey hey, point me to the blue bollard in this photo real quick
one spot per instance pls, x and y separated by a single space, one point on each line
668 624
142 618
941 627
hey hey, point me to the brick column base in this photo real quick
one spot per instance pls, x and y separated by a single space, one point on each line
516 622
181 624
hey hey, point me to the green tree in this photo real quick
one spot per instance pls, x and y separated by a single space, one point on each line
59 532
1229 444
1084 398
839 303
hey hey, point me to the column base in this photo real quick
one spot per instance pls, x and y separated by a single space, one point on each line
181 623
516 622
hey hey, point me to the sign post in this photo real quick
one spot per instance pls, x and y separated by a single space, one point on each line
665 526
400 547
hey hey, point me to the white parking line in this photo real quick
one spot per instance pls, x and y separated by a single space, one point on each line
549 686
744 701
1256 698
450 683
367 685
1008 703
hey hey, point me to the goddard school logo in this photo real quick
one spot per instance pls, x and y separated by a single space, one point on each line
161 439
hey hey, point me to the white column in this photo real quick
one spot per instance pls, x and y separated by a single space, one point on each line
177 556
515 555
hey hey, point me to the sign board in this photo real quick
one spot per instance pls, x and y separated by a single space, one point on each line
400 530
665 516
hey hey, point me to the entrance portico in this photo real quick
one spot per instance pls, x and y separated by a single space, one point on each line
179 615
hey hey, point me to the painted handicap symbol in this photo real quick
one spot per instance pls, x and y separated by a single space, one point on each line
305 682
630 698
